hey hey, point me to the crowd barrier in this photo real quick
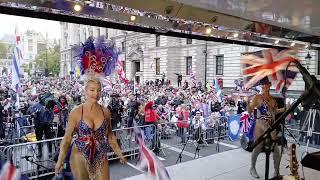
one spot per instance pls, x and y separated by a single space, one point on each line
37 159
170 135
127 140
302 136
34 159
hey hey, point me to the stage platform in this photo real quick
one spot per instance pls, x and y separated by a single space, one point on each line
232 164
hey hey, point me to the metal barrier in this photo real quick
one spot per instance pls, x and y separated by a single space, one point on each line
36 159
170 135
19 126
302 136
127 140
218 131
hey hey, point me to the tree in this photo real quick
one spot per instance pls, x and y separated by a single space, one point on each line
49 60
26 68
4 51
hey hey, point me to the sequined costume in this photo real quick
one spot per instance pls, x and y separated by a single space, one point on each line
93 144
263 111
265 118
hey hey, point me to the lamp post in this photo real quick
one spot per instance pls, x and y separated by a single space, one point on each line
308 58
205 64
71 59
46 71
71 64
125 52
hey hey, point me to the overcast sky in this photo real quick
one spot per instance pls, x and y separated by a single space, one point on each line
8 23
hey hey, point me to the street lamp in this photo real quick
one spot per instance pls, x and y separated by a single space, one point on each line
71 59
308 58
205 64
125 52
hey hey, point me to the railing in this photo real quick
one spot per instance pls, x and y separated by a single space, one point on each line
37 159
127 140
171 135
303 136
34 159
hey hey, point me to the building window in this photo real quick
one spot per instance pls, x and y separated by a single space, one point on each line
98 32
157 40
157 66
30 45
219 65
188 65
123 46
189 41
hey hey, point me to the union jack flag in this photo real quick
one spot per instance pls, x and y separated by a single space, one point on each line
108 84
269 63
192 75
244 119
9 172
148 160
90 145
121 73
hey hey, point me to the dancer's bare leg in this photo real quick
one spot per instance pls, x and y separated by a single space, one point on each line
104 172
276 154
258 131
78 165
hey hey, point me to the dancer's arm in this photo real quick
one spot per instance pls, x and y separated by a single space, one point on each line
66 141
255 102
112 138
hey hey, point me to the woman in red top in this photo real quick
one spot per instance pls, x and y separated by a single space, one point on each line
150 113
183 117
151 118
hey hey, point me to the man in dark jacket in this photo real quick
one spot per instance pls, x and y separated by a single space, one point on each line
116 109
43 118
242 106
133 109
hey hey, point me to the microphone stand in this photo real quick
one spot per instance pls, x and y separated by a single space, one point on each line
36 163
182 150
311 80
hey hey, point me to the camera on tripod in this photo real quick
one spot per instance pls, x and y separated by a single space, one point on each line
312 101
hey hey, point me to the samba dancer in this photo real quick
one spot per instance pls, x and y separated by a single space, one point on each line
266 111
90 121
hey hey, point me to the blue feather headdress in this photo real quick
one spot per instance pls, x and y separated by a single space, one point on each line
97 56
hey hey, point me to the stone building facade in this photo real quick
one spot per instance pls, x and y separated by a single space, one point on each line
149 56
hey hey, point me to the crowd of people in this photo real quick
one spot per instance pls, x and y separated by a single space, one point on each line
50 100
191 108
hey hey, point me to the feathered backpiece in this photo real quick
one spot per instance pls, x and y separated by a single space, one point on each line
97 56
